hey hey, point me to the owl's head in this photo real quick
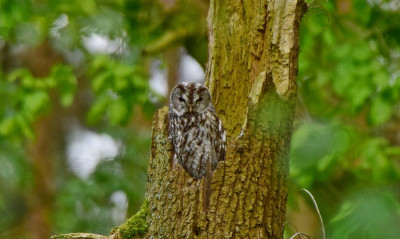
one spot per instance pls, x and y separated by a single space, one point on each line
190 98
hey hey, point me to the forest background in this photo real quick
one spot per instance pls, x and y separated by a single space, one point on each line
80 81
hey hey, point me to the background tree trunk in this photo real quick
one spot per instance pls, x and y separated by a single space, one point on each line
42 149
253 49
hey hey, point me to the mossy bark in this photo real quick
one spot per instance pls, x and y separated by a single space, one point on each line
251 74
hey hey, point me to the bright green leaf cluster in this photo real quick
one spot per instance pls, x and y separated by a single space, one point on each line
29 97
62 27
118 87
351 72
12 14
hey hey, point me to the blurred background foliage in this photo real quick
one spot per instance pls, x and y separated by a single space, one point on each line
346 143
77 100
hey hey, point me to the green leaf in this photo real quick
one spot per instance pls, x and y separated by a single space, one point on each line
346 210
119 112
139 82
21 73
325 162
362 52
101 81
68 89
66 83
380 111
24 126
88 6
7 125
358 95
393 151
98 109
35 102
121 83
99 63
66 98
381 78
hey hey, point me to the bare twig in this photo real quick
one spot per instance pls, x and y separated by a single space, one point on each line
299 233
168 39
288 223
79 236
318 212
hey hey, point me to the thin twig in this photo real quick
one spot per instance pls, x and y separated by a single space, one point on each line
318 212
78 236
288 223
299 233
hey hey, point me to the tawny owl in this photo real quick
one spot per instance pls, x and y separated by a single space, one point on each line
197 133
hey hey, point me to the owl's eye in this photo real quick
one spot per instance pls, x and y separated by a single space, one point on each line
199 99
181 99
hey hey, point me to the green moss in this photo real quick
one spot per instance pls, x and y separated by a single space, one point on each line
137 224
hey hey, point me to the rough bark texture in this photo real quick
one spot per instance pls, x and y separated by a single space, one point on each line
251 74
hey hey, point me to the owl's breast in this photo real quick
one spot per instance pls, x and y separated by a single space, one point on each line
196 141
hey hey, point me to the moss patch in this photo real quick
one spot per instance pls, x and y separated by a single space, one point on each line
137 224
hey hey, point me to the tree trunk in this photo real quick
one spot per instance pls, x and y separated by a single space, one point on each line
251 74
253 50
42 149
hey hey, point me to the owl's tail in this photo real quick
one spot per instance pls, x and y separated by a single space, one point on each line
206 187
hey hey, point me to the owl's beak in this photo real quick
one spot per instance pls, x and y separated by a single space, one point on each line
190 108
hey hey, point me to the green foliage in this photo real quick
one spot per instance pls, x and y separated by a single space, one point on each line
350 69
365 213
343 148
15 177
12 14
118 87
109 87
316 151
84 205
29 97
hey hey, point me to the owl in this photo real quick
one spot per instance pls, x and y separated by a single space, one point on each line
196 132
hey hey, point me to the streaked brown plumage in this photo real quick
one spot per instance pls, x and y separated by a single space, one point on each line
195 130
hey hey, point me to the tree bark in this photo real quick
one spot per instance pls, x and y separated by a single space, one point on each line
253 50
252 66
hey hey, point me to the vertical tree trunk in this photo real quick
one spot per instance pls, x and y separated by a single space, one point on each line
172 56
251 74
42 150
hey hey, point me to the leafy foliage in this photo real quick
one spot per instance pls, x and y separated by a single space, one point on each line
118 87
84 205
343 148
106 86
28 97
354 216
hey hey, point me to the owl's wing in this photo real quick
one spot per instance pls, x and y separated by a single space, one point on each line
170 126
220 139
172 118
